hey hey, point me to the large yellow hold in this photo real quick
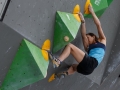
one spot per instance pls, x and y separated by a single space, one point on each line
76 10
45 46
86 9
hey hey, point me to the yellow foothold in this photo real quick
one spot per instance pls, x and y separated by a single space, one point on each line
52 78
86 9
76 10
45 46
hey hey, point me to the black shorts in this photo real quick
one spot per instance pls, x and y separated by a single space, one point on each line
87 65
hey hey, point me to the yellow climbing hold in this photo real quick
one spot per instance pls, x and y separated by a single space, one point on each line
86 10
45 46
76 10
45 55
77 17
52 78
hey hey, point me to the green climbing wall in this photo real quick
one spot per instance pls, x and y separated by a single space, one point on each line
109 2
27 67
65 25
99 7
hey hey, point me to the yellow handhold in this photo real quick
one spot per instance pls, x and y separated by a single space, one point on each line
45 55
76 10
77 17
52 78
86 9
45 46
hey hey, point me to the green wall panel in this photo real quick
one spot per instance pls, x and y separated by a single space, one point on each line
109 2
65 25
99 7
27 67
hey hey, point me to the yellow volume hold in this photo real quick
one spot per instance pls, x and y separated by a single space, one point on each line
86 9
76 10
45 46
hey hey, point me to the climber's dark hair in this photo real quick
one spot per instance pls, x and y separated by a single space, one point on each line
92 34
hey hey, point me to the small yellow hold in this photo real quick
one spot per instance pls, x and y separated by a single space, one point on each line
86 9
52 78
76 10
45 46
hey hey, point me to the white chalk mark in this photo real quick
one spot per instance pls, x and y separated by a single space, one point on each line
97 2
91 84
59 24
68 16
116 62
113 82
8 50
34 5
18 5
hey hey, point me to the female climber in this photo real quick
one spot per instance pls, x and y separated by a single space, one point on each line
94 46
